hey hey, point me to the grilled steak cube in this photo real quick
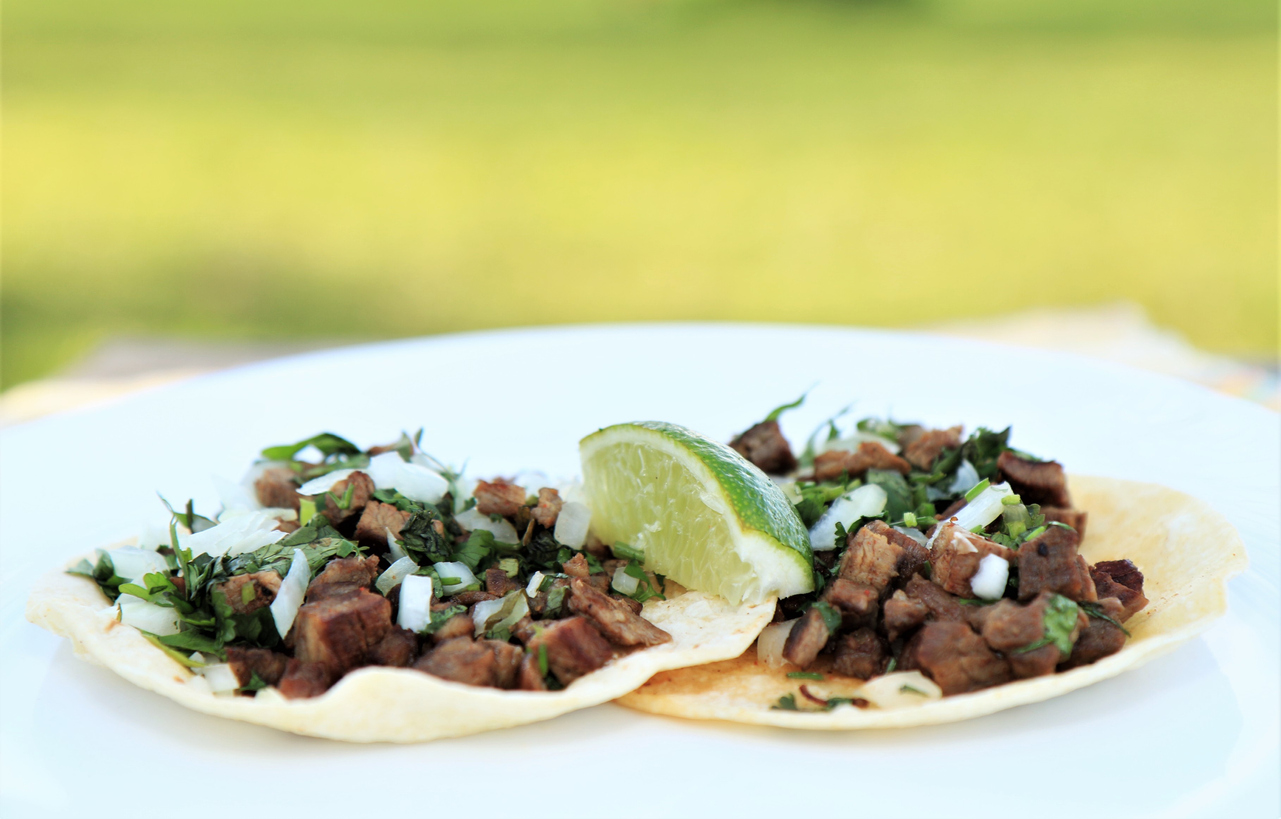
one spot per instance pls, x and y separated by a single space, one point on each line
902 614
574 647
861 654
1076 518
471 598
398 647
302 679
548 508
955 657
507 659
378 519
338 507
941 605
1123 580
246 662
531 679
1042 482
246 593
337 631
830 465
277 489
499 498
613 618
928 445
576 566
1099 638
806 639
343 576
1050 562
498 583
460 625
856 602
462 660
956 555
877 554
765 446
1011 627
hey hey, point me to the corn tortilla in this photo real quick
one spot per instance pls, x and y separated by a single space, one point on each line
381 704
1186 551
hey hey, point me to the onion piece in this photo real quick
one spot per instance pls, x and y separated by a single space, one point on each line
415 602
624 582
572 524
989 581
867 501
153 536
967 477
394 549
851 442
414 481
769 645
502 531
321 485
395 573
489 615
535 580
984 508
235 535
290 595
132 562
902 689
144 616
459 570
221 679
914 534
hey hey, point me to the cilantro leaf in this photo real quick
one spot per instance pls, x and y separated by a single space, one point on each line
898 494
778 411
328 444
1059 620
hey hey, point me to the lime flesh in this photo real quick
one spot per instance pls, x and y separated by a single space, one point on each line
703 515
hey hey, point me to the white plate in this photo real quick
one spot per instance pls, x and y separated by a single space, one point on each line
1193 733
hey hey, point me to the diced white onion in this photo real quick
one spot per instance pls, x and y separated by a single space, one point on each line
235 535
392 546
572 492
415 602
321 485
236 496
903 689
395 573
153 536
221 679
769 645
851 442
572 524
624 582
503 612
967 477
989 581
132 562
865 502
535 581
465 491
914 534
502 531
985 508
414 481
147 616
291 593
459 570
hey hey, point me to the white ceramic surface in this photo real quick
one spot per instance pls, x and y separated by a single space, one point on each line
1191 734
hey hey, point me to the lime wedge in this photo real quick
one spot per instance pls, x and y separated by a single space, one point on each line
703 515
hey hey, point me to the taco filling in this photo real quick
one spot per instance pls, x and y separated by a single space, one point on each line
947 561
383 557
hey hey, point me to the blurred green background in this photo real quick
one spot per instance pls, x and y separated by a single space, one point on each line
334 170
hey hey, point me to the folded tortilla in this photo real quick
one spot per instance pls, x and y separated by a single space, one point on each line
1186 551
382 704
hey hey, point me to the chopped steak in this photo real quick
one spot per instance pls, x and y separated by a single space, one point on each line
344 575
531 679
277 489
362 487
856 602
806 640
860 654
338 630
1042 482
507 659
574 648
1105 586
471 598
765 446
615 620
460 625
1050 562
830 465
955 558
876 553
955 657
498 583
246 662
1098 639
548 508
499 498
928 445
941 605
302 680
377 519
1010 627
635 605
398 647
600 581
903 614
1076 518
246 593
1123 572
463 660
576 566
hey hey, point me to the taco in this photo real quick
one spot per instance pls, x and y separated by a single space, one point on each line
377 595
956 576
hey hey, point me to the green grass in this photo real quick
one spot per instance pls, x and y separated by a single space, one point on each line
339 170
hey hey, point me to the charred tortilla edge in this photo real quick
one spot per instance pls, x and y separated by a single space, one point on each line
1185 549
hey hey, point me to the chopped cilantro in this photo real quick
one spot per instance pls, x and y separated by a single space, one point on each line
804 675
787 702
1059 621
625 552
831 617
907 689
439 618
542 659
328 444
977 489
1096 611
778 411
898 493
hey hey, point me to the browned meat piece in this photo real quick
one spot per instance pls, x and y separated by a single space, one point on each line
927 446
460 625
337 631
600 581
398 647
246 662
377 519
861 654
956 555
1049 562
1042 482
765 446
463 660
302 680
830 465
530 678
548 508
941 605
574 647
277 488
362 488
1076 518
902 614
471 598
507 658
857 602
288 526
635 605
1131 601
499 498
807 639
877 554
538 603
1010 627
246 593
344 575
615 620
498 583
1123 572
1099 638
576 566
955 657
